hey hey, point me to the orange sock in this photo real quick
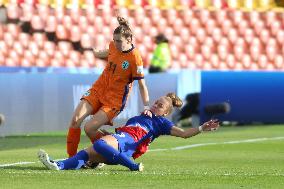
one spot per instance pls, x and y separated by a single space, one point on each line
99 134
73 139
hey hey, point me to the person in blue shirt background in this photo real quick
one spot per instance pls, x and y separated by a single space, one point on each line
131 140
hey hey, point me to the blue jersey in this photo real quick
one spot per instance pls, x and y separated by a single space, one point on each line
158 125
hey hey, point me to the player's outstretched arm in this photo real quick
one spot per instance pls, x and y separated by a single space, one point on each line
101 53
207 126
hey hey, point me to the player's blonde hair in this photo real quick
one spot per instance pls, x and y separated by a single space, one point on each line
175 101
123 28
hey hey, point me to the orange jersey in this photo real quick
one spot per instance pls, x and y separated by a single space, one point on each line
115 83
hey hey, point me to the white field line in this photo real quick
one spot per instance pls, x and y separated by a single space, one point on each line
178 148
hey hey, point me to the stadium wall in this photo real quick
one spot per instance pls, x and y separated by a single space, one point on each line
41 102
253 96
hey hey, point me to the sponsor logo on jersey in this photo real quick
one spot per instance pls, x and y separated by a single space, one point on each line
125 65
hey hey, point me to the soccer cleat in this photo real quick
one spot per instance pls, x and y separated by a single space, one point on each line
44 158
90 165
141 167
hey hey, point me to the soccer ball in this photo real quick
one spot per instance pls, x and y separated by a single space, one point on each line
2 119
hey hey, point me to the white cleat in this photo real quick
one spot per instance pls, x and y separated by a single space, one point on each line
44 158
141 167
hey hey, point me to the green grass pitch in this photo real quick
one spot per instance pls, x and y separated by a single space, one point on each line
217 163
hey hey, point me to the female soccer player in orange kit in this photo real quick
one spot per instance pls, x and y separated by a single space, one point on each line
108 95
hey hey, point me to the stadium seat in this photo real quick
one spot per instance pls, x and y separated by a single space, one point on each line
226 25
169 33
190 51
258 27
28 55
59 13
43 11
65 47
44 57
67 22
184 34
100 42
198 61
216 35
222 52
235 4
177 26
33 48
90 12
280 37
186 15
206 52
271 52
230 61
27 12
13 12
89 56
18 48
61 33
87 41
56 63
39 38
232 35
161 25
262 62
75 34
50 24
248 35
219 4
264 35
8 39
194 25
237 17
279 62
220 16
203 3
275 27
36 23
24 39
200 35
204 16
210 25
13 29
238 52
49 47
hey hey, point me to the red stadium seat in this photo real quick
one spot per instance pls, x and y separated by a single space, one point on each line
4 48
264 36
222 52
201 35
43 11
75 56
89 56
204 16
258 26
280 37
276 27
169 33
33 48
28 55
51 24
186 16
18 48
262 62
56 63
24 39
84 24
217 35
190 51
11 63
100 42
232 35
270 17
231 61
254 17
248 35
8 39
75 34
65 47
49 47
39 38
44 57
62 33
87 41
210 25
206 52
59 14
27 12
194 25
13 29
13 11
198 61
237 17
271 52
178 25
36 23
75 14
220 16
67 22
242 27
238 52
279 62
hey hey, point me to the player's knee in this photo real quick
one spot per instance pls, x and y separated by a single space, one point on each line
76 122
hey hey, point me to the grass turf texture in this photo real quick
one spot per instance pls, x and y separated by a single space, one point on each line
242 165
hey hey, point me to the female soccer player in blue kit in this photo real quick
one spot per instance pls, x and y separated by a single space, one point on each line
131 140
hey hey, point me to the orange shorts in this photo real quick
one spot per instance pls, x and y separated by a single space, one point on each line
97 105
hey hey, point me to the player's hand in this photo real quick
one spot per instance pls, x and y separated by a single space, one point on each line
211 125
147 112
105 132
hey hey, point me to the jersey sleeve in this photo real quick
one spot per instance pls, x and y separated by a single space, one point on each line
137 67
167 126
